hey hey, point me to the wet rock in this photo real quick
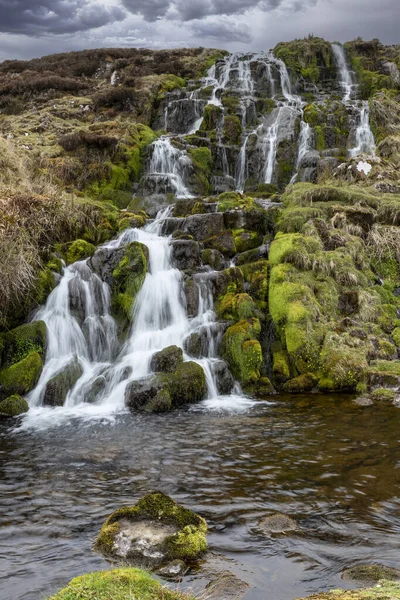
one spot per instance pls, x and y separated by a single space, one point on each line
363 401
231 279
192 298
223 376
277 523
226 586
167 360
185 254
58 386
154 531
214 258
13 406
223 242
204 226
171 224
302 383
368 574
140 393
253 255
104 261
173 570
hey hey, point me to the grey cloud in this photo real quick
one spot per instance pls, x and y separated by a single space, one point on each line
223 30
38 17
185 10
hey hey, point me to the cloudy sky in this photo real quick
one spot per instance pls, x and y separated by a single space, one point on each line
31 28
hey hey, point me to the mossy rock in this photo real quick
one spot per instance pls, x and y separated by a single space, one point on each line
128 277
79 250
154 531
263 387
370 573
242 350
13 406
57 387
188 384
131 221
384 373
118 584
280 363
303 383
167 360
386 590
236 307
18 343
213 257
21 377
223 242
383 395
343 366
234 200
247 240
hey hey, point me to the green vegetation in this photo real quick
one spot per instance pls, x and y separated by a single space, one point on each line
13 406
119 584
311 57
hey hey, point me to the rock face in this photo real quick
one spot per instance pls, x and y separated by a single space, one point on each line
153 532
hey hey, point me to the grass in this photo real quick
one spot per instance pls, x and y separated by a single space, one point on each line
119 584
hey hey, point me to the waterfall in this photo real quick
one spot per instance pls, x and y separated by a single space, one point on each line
241 166
271 146
304 146
245 77
168 164
90 338
364 138
365 142
347 81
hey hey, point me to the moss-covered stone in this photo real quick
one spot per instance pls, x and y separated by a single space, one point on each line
13 406
167 360
21 377
280 363
242 350
383 395
23 340
185 531
79 250
188 384
247 240
118 584
303 383
370 573
386 590
128 278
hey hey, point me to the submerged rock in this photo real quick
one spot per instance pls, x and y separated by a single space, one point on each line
13 406
385 590
153 532
226 586
277 523
173 570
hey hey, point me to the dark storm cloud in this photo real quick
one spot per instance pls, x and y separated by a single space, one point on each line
185 10
37 17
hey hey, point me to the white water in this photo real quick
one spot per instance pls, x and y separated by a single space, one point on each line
304 146
170 163
365 142
347 79
159 320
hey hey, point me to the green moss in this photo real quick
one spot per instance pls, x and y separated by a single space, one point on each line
119 584
201 158
256 276
383 395
342 365
188 543
311 57
386 590
22 341
242 350
371 573
280 363
319 132
22 376
232 129
131 220
231 103
303 383
13 406
246 240
236 307
188 384
293 248
232 200
128 278
311 115
79 250
396 336
211 116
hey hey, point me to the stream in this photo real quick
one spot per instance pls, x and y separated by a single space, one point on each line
330 464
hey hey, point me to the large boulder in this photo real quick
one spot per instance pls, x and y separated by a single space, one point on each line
153 532
58 386
162 391
185 254
204 226
13 406
167 360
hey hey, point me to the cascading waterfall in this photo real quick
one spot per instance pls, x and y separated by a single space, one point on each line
82 332
347 80
168 167
365 141
364 138
304 146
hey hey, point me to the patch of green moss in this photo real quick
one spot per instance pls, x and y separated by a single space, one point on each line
13 406
201 158
242 351
22 341
79 250
118 584
343 366
232 200
188 384
22 376
232 129
128 278
246 240
303 383
383 395
280 363
386 590
211 116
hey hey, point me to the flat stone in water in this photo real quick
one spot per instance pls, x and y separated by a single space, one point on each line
369 574
277 523
142 538
173 570
363 401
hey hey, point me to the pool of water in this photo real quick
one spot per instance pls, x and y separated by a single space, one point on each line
330 464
